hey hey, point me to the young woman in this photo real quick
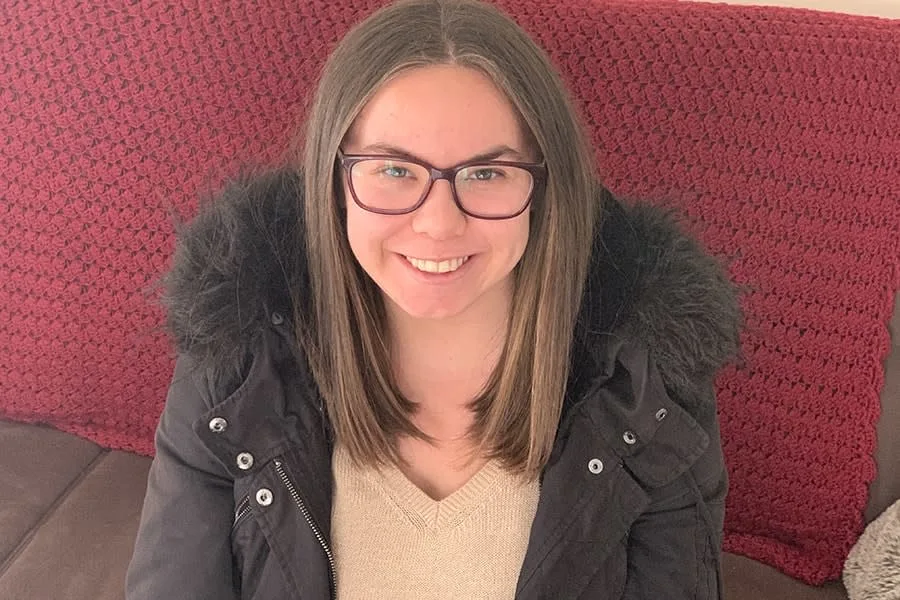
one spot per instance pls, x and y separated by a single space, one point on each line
437 359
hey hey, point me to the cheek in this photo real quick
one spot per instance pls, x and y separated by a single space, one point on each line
516 238
367 233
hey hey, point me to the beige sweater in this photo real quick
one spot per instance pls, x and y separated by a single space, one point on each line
391 540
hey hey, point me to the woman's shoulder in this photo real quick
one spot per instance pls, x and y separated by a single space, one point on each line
658 320
236 270
653 284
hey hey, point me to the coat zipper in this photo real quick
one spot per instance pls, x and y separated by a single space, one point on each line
332 581
243 509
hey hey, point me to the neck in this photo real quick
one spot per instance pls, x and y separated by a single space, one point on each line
443 364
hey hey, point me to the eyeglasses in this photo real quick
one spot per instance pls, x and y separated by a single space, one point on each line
393 185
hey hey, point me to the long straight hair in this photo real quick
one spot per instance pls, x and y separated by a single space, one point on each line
345 334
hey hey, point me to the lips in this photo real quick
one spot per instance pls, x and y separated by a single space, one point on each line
433 266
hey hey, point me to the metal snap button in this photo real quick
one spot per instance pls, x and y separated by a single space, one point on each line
244 461
661 414
629 437
264 497
595 466
218 425
277 318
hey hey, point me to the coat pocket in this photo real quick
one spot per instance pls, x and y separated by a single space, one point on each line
241 512
255 575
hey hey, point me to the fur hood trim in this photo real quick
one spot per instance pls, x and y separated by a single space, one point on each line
237 261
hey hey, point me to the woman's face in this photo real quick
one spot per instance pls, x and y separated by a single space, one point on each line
444 115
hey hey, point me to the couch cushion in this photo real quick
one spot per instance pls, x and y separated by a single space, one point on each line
747 579
82 549
38 467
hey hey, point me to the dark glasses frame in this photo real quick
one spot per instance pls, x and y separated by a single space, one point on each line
538 176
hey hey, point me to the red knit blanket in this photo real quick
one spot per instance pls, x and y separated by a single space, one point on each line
775 130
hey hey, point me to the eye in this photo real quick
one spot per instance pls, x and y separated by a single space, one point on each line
483 174
394 171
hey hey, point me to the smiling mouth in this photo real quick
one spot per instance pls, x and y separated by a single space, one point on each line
432 266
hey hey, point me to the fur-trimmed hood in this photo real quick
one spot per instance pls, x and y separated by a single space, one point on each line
237 261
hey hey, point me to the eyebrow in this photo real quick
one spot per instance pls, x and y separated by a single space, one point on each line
490 154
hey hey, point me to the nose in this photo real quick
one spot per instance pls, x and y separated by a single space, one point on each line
439 217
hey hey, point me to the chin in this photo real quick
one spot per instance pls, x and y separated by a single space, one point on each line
431 311
428 313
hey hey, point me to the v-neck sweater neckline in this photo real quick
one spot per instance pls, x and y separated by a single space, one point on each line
426 513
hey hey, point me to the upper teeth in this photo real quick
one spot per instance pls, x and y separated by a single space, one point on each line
432 266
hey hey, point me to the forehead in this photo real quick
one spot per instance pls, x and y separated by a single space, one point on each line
443 113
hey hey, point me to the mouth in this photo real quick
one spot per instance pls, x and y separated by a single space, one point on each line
433 266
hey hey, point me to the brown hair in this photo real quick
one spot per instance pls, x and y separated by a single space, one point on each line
345 338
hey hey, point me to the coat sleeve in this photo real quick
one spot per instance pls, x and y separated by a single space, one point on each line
183 547
675 546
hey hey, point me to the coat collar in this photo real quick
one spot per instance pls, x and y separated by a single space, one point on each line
658 317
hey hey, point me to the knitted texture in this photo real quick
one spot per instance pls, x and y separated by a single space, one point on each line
773 130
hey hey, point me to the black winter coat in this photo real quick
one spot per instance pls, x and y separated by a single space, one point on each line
239 498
